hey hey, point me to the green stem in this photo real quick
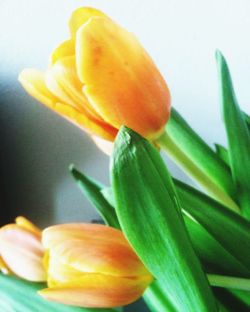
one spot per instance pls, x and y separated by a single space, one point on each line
229 282
213 189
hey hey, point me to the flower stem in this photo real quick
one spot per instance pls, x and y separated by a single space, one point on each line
229 282
213 189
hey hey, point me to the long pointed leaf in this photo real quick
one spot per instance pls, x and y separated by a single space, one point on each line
237 134
209 250
243 296
230 301
194 171
247 119
228 228
199 152
92 190
231 282
148 211
156 299
222 153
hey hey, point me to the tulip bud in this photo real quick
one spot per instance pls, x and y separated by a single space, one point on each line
102 78
91 265
21 250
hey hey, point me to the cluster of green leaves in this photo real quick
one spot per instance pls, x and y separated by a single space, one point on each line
179 232
207 246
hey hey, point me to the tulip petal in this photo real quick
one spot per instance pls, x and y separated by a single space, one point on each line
89 256
55 234
80 16
57 90
3 266
34 83
96 290
65 49
29 226
59 273
93 127
64 73
121 81
23 252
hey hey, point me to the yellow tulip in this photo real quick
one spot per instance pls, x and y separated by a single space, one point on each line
91 265
21 250
102 78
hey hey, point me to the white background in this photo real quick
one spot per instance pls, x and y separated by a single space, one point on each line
37 146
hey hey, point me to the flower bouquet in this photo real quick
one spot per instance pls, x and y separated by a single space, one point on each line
181 248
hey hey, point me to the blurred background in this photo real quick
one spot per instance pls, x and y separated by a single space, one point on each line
37 146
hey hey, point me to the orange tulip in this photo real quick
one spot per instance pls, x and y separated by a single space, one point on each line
21 250
91 265
102 78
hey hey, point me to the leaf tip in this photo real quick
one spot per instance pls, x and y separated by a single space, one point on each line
125 132
221 62
74 172
124 137
218 55
71 167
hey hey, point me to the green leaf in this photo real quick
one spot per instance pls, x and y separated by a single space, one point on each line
209 250
194 171
150 217
206 247
222 153
230 229
92 190
243 296
108 195
156 299
199 152
21 296
247 119
230 282
238 136
231 301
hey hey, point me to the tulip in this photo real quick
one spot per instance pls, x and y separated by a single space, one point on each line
102 78
91 265
21 250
